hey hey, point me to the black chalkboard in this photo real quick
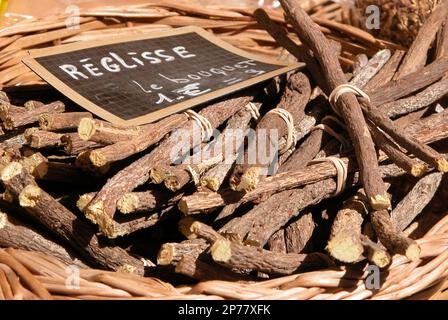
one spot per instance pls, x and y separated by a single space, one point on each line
142 79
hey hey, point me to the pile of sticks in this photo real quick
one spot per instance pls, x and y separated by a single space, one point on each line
358 175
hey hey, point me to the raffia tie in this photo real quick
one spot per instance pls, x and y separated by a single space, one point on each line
341 171
194 175
204 124
291 134
325 127
340 90
252 108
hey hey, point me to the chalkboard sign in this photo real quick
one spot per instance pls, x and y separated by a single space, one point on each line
144 78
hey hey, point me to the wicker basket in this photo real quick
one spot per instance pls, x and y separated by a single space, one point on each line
42 276
33 275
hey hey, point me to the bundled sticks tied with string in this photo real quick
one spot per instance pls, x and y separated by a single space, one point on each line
356 178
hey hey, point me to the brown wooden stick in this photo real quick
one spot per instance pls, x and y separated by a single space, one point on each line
409 84
417 102
145 201
276 242
193 229
442 41
57 219
205 271
387 72
417 54
347 105
412 166
102 208
62 121
172 253
40 139
420 150
73 145
302 54
16 120
123 149
106 133
345 238
245 177
233 255
42 169
375 252
176 177
214 177
299 232
7 110
393 239
33 104
18 235
416 200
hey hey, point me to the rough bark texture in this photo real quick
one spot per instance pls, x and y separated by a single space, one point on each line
416 57
102 208
393 239
387 71
416 102
347 104
16 120
107 133
416 200
233 255
344 243
61 121
146 201
63 223
172 253
18 235
245 177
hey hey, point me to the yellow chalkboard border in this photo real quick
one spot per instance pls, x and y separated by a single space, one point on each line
32 63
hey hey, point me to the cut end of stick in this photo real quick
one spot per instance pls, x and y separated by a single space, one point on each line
86 128
413 252
93 211
157 175
109 227
345 249
128 203
186 227
221 250
45 121
183 206
97 159
36 165
29 197
11 170
249 180
442 165
172 184
166 254
380 202
380 258
210 183
418 170
84 201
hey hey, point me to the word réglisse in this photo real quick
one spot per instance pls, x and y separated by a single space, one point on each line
115 63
